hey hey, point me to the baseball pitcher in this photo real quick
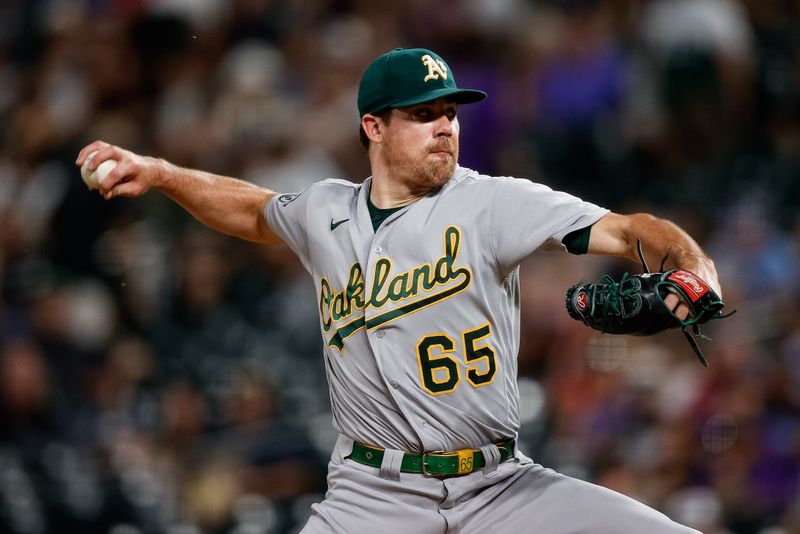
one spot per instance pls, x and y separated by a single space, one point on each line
417 287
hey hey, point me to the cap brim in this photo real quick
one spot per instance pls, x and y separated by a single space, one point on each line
459 96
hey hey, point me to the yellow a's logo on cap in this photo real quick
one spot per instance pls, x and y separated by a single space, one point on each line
436 68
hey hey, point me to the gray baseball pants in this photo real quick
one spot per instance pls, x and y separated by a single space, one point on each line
515 496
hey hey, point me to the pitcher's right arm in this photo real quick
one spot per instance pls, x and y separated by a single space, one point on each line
225 204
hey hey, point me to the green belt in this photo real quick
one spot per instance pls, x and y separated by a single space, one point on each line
434 464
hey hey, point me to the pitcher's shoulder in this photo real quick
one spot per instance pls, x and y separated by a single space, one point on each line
465 177
330 188
337 186
469 177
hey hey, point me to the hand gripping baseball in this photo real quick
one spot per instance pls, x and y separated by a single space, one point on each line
132 176
634 304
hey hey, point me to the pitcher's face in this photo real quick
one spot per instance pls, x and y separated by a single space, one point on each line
420 144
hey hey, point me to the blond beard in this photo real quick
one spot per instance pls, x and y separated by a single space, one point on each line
424 174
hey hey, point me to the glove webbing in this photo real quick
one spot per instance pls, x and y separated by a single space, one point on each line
614 298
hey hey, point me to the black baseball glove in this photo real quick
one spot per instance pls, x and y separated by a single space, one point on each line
635 304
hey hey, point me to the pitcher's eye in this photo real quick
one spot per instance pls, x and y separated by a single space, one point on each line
424 114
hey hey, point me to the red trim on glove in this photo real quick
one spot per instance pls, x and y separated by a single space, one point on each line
692 284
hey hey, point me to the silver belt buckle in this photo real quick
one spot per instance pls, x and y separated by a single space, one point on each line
425 462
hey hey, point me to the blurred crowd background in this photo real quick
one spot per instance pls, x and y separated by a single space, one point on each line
158 378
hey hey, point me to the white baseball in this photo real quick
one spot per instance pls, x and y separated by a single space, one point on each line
94 179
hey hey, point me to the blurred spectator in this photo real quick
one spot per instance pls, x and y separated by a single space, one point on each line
27 398
755 254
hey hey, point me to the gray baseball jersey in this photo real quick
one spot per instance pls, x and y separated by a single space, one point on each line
420 319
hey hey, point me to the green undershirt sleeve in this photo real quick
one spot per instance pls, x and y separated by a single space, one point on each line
577 241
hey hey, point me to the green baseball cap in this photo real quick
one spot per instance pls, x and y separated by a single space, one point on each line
408 76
